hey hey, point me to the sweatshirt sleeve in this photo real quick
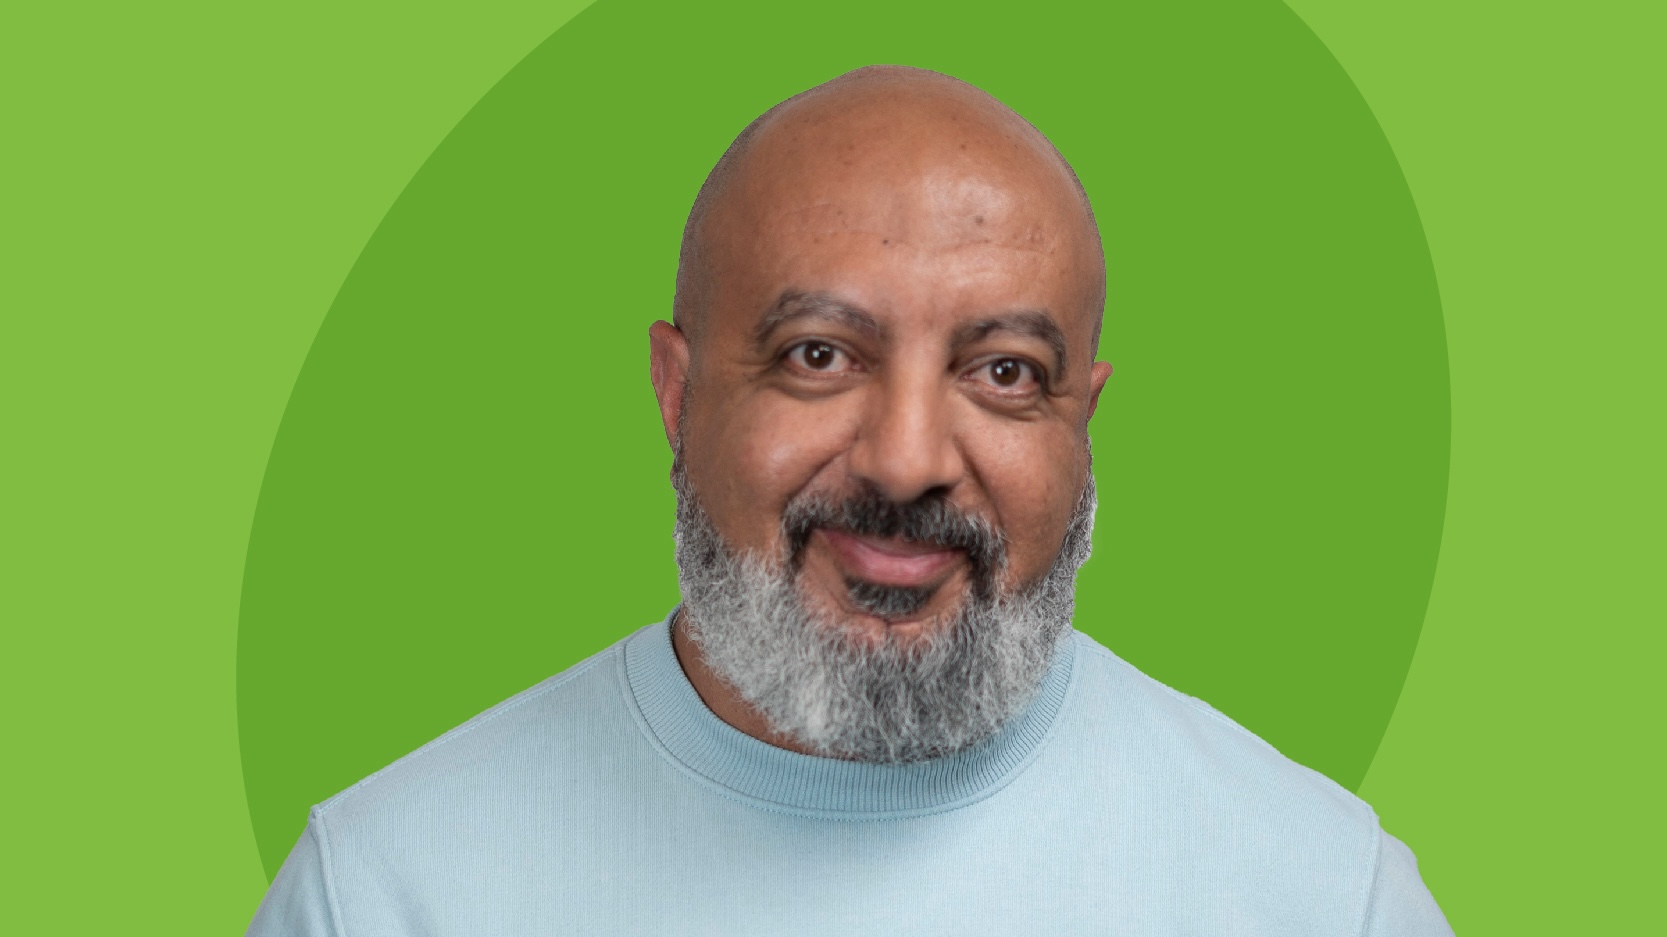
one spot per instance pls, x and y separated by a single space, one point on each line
300 902
1400 905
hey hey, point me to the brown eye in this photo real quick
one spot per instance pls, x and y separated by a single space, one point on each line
816 356
1012 378
1007 372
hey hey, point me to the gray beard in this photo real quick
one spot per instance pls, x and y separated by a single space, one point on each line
888 701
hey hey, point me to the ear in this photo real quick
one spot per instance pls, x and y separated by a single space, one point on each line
1097 377
668 370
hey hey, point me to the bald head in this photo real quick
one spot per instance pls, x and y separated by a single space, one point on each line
904 151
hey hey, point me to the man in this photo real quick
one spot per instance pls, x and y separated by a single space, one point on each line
870 713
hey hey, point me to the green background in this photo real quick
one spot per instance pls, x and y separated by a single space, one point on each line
468 489
185 189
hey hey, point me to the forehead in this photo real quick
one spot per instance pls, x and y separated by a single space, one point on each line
909 281
930 218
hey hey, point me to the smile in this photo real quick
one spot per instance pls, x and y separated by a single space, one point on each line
889 561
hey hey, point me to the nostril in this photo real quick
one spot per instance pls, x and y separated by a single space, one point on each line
936 492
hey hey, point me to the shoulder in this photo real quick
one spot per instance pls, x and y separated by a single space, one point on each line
1178 771
1194 745
480 806
513 744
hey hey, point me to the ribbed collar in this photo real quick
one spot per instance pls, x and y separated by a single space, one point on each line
697 741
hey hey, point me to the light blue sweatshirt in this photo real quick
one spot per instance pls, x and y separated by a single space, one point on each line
609 800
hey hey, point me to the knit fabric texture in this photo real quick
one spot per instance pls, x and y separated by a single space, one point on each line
610 800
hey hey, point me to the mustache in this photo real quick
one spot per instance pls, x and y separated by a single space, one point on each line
928 519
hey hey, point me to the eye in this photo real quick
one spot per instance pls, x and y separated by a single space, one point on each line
1009 374
817 356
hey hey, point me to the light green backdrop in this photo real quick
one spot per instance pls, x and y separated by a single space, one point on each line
185 188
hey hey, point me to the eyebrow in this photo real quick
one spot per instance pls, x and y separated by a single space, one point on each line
1036 324
794 305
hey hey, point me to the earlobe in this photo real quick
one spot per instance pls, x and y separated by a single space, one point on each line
1097 378
668 371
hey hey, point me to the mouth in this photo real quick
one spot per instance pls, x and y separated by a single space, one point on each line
892 561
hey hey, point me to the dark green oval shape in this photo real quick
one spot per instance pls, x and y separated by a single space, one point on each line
468 490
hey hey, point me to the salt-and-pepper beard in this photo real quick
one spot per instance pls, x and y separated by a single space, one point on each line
880 701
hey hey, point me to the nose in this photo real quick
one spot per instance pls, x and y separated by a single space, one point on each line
905 445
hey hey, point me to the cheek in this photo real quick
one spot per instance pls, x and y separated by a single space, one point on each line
1032 475
764 449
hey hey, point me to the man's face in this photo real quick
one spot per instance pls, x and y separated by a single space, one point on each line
909 321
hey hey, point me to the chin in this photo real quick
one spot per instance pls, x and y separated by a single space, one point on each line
871 629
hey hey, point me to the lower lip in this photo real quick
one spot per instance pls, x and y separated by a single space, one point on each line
862 560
